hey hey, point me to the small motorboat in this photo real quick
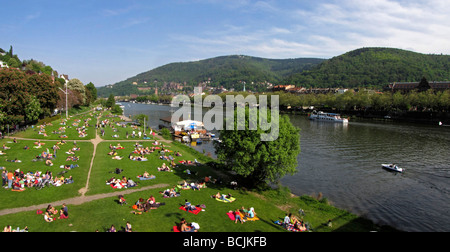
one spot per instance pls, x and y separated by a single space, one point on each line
392 167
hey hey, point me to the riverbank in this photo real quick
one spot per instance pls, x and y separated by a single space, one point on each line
430 118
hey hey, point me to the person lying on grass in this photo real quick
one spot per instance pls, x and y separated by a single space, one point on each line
72 158
137 158
146 175
164 167
14 160
220 196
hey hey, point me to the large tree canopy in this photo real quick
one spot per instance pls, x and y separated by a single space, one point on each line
259 161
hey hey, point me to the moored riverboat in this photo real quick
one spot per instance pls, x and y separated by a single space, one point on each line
327 117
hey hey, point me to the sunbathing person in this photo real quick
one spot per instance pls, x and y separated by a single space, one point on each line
69 180
184 185
69 167
146 175
169 193
14 160
112 153
188 206
184 227
195 186
164 167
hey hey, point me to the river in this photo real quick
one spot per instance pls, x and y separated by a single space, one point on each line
344 164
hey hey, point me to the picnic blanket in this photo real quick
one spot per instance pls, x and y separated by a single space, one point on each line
142 178
18 190
124 185
232 217
226 201
175 229
184 188
196 211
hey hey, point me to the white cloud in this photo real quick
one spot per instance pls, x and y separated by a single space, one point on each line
422 26
331 28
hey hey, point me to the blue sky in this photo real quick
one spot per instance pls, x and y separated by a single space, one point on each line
107 41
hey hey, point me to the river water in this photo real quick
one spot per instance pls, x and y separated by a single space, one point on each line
344 164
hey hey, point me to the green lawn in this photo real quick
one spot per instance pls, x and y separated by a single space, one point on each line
63 128
31 196
104 165
114 130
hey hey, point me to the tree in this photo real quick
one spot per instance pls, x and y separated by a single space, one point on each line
110 102
32 110
45 90
141 118
260 161
14 94
93 90
76 84
423 85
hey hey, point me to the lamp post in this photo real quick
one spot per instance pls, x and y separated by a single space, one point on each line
67 112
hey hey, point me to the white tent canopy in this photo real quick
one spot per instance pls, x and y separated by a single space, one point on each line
187 125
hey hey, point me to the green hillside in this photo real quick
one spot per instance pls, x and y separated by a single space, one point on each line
226 71
374 67
365 67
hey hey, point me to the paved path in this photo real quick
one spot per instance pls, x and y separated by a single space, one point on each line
79 200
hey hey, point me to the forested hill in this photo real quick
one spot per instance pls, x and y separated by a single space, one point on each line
374 67
226 71
365 67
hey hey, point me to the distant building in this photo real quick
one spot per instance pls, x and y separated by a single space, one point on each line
282 88
65 77
409 86
3 64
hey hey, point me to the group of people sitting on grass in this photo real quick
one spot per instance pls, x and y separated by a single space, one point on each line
121 183
51 213
169 193
19 181
291 222
193 185
142 205
243 214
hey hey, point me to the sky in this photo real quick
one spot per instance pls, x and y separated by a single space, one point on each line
107 41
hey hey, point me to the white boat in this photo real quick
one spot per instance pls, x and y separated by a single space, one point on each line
327 117
392 167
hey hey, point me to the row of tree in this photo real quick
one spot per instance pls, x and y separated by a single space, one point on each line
26 97
369 100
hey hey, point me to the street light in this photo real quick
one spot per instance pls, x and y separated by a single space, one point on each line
67 112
